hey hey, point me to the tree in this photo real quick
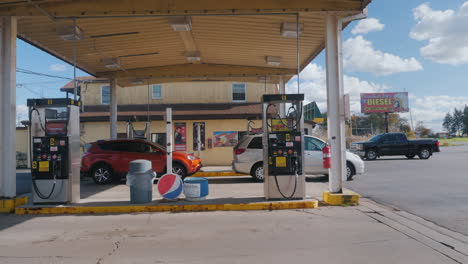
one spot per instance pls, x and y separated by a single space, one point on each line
457 121
447 124
421 130
465 119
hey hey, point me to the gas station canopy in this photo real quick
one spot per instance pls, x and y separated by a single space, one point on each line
179 40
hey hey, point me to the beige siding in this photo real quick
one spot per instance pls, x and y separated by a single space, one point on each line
220 156
179 93
22 140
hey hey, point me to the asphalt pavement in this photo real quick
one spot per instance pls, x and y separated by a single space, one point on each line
435 189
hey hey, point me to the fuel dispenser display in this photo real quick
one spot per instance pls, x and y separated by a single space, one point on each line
55 150
283 147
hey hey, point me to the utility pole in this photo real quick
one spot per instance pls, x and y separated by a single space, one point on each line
386 122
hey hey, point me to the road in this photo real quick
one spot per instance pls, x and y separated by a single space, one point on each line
435 189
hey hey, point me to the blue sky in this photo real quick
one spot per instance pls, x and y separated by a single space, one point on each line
390 52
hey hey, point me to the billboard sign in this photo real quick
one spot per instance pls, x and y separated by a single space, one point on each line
384 102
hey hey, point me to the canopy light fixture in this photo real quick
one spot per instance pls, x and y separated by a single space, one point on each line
111 63
114 35
273 60
193 56
289 29
138 81
181 23
70 33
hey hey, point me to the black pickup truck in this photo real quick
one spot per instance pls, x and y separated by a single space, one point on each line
393 144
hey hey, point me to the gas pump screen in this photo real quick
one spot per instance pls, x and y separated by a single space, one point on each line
56 128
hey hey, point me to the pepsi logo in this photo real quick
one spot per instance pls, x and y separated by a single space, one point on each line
170 186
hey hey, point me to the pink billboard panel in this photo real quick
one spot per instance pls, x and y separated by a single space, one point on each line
384 102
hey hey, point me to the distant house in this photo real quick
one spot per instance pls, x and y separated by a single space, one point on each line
444 135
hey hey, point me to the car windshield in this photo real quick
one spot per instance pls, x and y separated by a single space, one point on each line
376 138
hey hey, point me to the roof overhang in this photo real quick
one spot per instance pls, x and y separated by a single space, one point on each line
231 39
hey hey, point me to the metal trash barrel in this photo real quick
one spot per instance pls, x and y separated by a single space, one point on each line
195 188
140 178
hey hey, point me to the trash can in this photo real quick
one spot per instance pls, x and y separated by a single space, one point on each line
195 189
140 178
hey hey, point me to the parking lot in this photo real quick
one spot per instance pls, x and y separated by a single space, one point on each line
435 189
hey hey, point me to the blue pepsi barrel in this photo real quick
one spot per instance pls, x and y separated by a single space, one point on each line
195 189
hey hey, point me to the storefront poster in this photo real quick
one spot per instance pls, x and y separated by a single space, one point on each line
180 138
195 135
225 138
384 102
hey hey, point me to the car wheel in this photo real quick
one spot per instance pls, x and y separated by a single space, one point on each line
179 170
410 156
371 154
102 174
349 171
257 172
424 153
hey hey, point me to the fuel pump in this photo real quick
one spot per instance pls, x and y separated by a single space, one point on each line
283 147
55 150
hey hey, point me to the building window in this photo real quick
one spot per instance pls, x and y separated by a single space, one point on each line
157 91
105 94
159 138
238 92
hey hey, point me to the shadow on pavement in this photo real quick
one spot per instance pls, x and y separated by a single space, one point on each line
90 188
9 220
23 181
380 159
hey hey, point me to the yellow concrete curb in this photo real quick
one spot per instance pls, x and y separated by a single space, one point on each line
167 208
9 205
346 198
217 174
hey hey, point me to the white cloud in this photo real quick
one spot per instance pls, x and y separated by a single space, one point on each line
58 67
445 31
360 55
367 25
432 109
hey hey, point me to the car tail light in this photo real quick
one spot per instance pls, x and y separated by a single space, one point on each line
239 151
438 143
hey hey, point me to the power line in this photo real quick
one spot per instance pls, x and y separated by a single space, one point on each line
41 74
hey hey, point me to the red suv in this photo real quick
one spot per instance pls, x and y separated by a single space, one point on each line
106 160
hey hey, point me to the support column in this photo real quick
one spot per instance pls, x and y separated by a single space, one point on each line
113 108
282 90
169 140
7 107
335 104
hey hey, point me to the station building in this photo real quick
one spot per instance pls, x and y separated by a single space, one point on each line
225 109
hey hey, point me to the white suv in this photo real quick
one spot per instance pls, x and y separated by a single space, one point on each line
248 158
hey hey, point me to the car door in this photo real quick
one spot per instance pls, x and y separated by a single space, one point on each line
146 151
127 153
313 156
386 145
400 146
